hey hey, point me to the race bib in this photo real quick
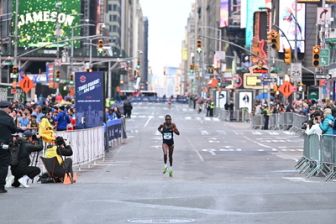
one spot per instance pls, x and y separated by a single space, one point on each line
167 136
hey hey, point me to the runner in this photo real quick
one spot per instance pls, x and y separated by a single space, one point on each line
167 130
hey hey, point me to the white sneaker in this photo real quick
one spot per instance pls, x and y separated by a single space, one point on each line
24 181
9 181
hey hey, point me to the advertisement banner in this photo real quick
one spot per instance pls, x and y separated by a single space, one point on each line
38 21
89 100
224 13
289 24
245 100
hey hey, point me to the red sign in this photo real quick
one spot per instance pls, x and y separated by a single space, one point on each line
26 84
287 89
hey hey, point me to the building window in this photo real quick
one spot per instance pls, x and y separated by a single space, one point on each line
114 7
114 18
114 28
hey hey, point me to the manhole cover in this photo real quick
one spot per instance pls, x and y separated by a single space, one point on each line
157 221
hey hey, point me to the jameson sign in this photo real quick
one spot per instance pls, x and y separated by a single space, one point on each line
41 21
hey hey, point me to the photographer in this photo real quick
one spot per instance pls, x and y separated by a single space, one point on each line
20 164
61 149
7 128
315 128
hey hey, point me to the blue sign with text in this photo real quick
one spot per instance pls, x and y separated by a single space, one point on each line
89 102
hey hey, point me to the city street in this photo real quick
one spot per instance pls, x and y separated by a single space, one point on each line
223 173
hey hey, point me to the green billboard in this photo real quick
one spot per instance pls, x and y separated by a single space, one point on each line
38 21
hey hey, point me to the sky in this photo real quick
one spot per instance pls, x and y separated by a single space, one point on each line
167 20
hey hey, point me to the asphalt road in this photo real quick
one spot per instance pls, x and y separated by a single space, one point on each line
223 173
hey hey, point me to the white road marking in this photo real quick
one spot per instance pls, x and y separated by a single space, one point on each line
214 141
211 151
198 118
235 132
156 146
148 120
273 133
299 179
256 133
195 150
204 132
188 118
215 119
258 143
261 150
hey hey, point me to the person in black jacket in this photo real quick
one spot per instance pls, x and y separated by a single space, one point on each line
128 108
21 168
7 128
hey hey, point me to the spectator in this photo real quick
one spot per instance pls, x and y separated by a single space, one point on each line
315 128
23 121
62 120
33 125
327 123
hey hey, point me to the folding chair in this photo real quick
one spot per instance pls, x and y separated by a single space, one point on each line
51 165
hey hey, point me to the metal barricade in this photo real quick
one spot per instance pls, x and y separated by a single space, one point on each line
257 121
273 121
298 120
288 120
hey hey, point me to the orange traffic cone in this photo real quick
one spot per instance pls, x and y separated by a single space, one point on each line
67 179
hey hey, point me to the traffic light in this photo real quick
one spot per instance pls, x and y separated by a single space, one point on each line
15 70
287 55
100 44
58 75
316 55
199 45
273 38
138 64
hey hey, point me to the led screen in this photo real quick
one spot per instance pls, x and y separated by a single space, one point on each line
38 21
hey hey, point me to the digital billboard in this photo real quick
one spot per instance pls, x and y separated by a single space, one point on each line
291 24
38 21
224 13
251 7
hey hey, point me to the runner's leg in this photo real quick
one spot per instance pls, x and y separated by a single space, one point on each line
165 155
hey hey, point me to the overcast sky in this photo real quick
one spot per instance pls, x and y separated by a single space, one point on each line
167 20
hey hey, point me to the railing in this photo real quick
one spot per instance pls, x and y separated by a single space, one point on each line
319 156
87 145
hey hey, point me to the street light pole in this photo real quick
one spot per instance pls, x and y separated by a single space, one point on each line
16 32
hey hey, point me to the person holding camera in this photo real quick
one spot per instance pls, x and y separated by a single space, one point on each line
7 128
315 128
20 162
59 150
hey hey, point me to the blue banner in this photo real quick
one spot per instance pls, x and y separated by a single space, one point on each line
90 100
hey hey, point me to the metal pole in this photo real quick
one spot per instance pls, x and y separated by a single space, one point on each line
90 53
109 81
16 31
296 24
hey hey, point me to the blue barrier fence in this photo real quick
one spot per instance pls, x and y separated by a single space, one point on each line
115 130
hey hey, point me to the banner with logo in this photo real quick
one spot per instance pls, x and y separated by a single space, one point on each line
89 100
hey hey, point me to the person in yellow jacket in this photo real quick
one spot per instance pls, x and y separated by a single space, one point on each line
46 131
58 150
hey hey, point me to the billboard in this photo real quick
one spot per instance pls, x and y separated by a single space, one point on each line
224 13
289 24
89 101
251 7
235 13
38 21
245 100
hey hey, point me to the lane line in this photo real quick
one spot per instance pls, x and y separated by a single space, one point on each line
148 120
195 150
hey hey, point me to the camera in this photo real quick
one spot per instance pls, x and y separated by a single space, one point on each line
304 125
4 146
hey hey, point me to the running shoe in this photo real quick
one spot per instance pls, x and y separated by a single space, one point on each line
171 172
165 170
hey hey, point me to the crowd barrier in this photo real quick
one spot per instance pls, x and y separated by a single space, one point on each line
88 145
319 156
280 121
236 115
115 131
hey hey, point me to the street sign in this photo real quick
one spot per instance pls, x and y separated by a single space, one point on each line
327 76
325 57
323 15
26 84
296 72
287 89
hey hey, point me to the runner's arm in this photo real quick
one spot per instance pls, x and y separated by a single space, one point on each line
175 130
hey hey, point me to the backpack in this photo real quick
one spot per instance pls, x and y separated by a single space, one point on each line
14 152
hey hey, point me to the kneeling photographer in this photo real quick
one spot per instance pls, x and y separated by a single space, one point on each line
59 150
20 158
